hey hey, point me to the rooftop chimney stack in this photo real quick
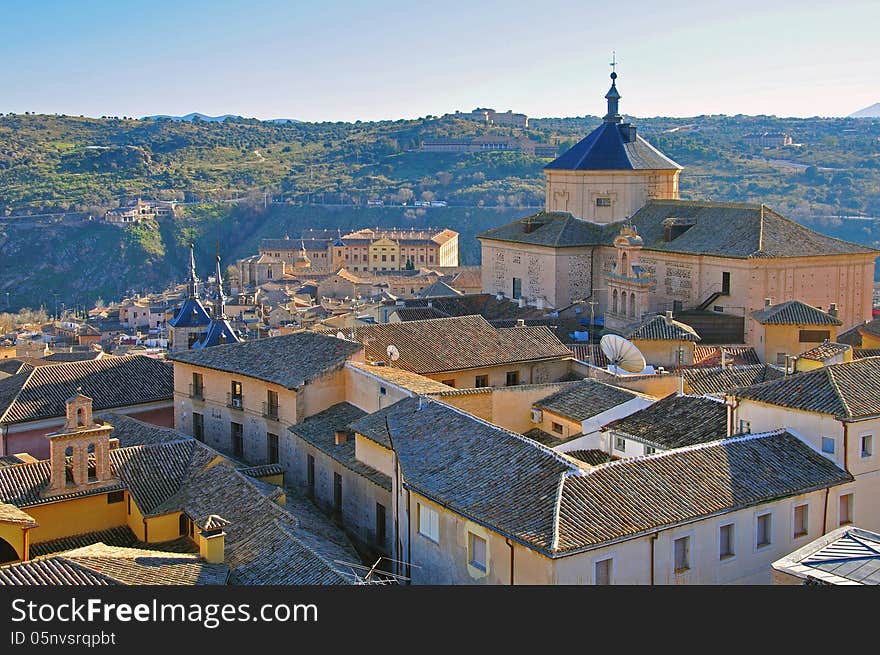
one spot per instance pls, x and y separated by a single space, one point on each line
832 309
668 317
212 539
520 322
768 302
340 438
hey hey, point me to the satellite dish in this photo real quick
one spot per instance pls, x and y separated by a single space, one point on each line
340 335
393 353
622 354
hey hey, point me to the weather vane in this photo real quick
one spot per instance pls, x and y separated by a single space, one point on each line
613 61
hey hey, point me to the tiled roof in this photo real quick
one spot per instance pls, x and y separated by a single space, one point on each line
737 230
100 564
676 421
861 353
418 313
609 148
657 328
702 380
793 312
734 355
76 356
486 305
111 382
449 344
633 496
579 401
320 431
825 351
132 432
587 352
847 390
845 556
289 360
852 337
542 499
593 457
401 378
192 313
262 470
219 332
545 438
121 536
11 514
438 289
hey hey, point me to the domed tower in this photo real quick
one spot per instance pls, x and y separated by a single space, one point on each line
611 173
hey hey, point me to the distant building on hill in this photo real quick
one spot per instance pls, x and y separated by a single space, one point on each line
490 144
139 211
493 117
768 139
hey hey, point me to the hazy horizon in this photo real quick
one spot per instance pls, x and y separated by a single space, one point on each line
389 60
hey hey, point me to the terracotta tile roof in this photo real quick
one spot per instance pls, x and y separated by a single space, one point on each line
290 360
111 382
11 514
579 401
100 564
402 378
702 380
675 421
449 344
735 355
547 502
847 390
657 328
121 536
320 431
794 312
545 438
591 353
861 353
825 351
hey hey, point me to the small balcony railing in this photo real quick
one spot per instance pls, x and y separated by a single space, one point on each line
234 402
196 392
270 411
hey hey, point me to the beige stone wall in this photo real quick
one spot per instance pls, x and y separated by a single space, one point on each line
540 372
366 391
665 353
576 192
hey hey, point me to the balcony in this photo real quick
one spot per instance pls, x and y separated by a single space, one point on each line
196 392
234 402
270 411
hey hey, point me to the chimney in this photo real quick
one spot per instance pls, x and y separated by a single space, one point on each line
114 443
340 438
522 301
520 322
668 317
430 304
539 303
212 539
768 302
832 309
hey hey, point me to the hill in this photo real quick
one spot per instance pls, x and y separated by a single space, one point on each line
868 112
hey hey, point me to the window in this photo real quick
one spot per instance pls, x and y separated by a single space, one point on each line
183 525
556 427
237 440
448 383
517 288
272 448
603 569
476 551
429 523
726 534
198 426
310 474
828 445
846 509
481 381
867 445
92 464
383 391
682 551
384 258
725 282
764 526
512 378
801 520
115 497
814 336
198 386
650 450
603 202
380 524
619 443
235 395
129 505
337 494
271 404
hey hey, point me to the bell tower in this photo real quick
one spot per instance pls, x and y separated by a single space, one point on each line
628 282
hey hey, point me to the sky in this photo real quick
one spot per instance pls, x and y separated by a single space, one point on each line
341 60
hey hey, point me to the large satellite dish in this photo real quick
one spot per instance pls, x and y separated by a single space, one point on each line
622 354
393 353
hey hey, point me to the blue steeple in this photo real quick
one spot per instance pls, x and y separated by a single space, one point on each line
613 96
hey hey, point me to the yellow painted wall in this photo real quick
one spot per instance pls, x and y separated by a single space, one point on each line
75 516
163 528
536 373
869 340
665 353
134 518
569 427
14 534
374 455
775 339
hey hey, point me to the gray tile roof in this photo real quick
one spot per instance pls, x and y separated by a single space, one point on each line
120 536
737 230
861 353
289 360
462 342
542 499
847 556
100 564
581 400
847 390
793 312
657 328
702 380
676 421
111 382
373 426
132 432
710 355
546 438
593 457
320 431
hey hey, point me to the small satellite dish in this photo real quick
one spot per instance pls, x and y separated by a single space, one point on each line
622 354
393 353
340 335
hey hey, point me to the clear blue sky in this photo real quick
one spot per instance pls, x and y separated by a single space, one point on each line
389 59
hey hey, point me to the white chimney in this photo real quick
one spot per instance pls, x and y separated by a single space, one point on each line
520 322
768 302
832 309
522 301
539 302
668 317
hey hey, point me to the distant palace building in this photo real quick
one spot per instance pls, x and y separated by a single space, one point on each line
614 231
139 211
490 144
493 117
768 139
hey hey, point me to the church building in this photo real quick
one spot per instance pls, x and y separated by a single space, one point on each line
614 231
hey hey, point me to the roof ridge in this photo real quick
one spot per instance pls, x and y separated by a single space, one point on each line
837 391
18 393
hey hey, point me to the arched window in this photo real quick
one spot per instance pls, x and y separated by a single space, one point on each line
614 302
632 305
68 466
624 265
80 417
92 463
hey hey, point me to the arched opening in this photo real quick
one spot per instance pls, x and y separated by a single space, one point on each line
632 305
93 464
624 265
68 466
80 417
614 302
7 552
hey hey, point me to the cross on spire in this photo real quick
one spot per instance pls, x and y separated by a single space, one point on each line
613 61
